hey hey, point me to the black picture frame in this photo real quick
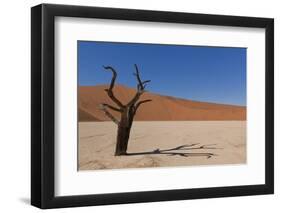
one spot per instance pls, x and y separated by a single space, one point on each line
43 114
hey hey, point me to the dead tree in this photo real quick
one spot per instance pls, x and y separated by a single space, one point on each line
127 111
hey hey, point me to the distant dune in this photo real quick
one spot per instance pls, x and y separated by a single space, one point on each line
162 108
86 116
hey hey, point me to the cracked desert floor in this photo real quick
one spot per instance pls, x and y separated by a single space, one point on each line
204 143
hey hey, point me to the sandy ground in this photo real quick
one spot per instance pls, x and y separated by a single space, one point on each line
204 143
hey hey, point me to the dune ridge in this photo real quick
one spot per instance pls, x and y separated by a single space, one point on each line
162 108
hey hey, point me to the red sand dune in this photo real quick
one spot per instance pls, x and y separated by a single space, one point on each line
161 108
86 116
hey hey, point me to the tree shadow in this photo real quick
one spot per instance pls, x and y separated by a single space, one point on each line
183 151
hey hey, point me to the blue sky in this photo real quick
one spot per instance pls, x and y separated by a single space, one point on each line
210 74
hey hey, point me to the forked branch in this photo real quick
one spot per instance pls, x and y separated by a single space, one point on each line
140 87
140 103
137 74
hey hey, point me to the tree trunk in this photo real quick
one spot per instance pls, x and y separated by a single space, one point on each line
127 110
123 133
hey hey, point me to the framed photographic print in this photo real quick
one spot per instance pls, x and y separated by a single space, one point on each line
139 106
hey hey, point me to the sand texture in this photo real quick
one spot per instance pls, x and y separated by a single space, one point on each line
163 144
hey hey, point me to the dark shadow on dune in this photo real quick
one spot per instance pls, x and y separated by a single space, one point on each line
183 151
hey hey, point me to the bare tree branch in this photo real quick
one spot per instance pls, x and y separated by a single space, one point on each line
135 98
145 82
110 89
112 107
114 75
108 114
141 84
140 87
141 102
